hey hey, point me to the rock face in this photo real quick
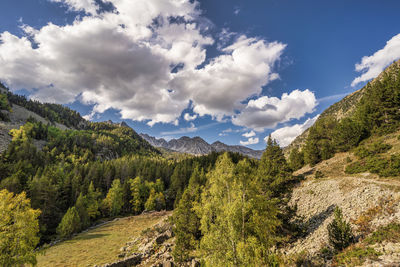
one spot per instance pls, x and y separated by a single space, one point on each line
197 146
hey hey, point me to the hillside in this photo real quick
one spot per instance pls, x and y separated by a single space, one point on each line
345 107
198 146
101 244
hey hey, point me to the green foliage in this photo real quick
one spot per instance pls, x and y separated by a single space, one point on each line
355 256
347 134
372 149
238 218
19 229
114 199
390 233
273 170
70 223
296 159
139 194
319 145
318 174
340 232
4 106
373 160
186 219
82 209
93 197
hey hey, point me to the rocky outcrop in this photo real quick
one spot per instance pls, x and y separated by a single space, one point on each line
197 146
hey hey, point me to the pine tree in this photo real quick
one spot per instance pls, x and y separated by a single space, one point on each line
93 202
296 159
340 232
139 194
70 223
19 229
273 170
82 209
114 199
186 219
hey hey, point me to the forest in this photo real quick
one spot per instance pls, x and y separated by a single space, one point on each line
230 208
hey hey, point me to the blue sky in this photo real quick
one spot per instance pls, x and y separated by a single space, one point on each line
224 63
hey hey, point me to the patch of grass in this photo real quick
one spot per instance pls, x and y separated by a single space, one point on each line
355 256
100 245
390 232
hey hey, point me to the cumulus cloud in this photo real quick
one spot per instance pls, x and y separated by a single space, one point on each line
250 141
373 65
267 112
218 88
249 134
142 58
188 117
285 135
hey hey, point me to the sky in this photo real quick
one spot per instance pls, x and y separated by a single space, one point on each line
228 70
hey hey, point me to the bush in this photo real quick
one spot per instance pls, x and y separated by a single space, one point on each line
340 232
372 149
318 174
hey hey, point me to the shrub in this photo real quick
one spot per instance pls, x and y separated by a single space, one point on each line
355 256
340 232
318 174
390 232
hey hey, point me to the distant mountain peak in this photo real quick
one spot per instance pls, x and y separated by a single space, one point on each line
198 146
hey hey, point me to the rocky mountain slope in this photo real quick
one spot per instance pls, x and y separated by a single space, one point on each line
197 146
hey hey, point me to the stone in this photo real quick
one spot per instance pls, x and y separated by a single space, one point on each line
168 264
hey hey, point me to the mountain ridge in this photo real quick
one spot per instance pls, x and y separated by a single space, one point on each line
198 146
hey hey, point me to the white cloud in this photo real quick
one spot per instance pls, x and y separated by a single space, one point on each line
192 128
267 112
250 141
372 66
89 6
285 135
218 88
249 134
188 117
123 60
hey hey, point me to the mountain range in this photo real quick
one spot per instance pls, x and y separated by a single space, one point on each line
198 146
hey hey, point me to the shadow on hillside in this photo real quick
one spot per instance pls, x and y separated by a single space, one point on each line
315 221
90 236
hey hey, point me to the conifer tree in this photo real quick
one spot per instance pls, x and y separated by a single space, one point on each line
340 232
114 199
70 223
296 159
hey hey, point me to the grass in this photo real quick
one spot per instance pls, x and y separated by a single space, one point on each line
355 256
390 232
100 245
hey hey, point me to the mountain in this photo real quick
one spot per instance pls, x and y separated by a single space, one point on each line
112 140
346 107
197 146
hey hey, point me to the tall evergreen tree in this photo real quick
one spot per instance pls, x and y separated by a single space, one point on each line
69 224
114 199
